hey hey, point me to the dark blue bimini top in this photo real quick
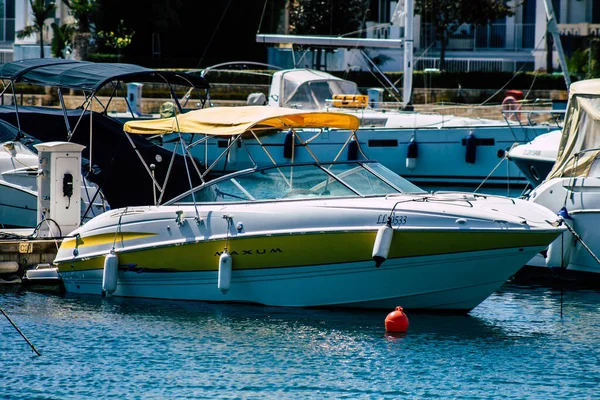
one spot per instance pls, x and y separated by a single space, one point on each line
88 76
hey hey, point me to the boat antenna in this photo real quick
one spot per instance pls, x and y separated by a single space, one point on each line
20 333
262 16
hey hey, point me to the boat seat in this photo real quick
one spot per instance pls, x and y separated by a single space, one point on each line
256 99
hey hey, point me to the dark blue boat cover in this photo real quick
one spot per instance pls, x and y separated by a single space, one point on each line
116 168
88 76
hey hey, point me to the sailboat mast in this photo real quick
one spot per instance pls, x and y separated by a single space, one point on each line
408 54
553 30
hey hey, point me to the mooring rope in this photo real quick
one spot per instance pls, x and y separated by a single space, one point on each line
490 174
20 333
585 246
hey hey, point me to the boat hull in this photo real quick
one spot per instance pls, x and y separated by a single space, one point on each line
18 206
452 270
434 282
447 253
580 197
535 169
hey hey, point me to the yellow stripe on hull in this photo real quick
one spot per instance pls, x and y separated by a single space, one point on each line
308 249
102 239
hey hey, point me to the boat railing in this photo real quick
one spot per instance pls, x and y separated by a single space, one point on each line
534 117
433 197
529 118
521 116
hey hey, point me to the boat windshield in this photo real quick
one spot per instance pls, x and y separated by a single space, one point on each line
348 179
313 95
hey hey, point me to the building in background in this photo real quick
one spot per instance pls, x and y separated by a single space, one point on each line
29 47
507 44
7 30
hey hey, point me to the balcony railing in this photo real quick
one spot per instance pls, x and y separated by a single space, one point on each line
582 29
471 64
515 37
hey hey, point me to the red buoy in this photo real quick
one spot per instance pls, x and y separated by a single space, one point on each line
396 321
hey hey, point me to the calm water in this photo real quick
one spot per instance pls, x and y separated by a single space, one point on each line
514 345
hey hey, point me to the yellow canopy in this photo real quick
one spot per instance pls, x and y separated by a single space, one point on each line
228 121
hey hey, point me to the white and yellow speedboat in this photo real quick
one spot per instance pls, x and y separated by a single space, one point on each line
347 234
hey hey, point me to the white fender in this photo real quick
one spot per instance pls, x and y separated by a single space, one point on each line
411 163
111 273
225 266
383 241
559 251
8 267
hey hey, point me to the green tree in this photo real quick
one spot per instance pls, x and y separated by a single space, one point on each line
40 13
446 17
84 12
327 17
118 40
593 70
61 38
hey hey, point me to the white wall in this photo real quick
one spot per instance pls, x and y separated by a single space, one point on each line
23 17
29 47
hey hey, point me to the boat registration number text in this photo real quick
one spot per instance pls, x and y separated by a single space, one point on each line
396 219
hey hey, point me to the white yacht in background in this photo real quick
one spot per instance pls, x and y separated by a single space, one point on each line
536 158
572 188
309 89
431 150
427 149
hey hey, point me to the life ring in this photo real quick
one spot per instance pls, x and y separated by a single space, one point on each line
511 104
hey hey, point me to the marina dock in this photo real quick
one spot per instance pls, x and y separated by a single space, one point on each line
19 253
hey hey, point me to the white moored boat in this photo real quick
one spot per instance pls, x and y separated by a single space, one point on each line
536 158
18 190
429 149
336 234
573 186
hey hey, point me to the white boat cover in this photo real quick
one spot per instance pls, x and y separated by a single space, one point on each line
581 131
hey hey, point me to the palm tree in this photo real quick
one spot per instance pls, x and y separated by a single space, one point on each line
61 38
40 13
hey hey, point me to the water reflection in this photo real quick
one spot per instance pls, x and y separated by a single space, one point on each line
513 311
156 348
